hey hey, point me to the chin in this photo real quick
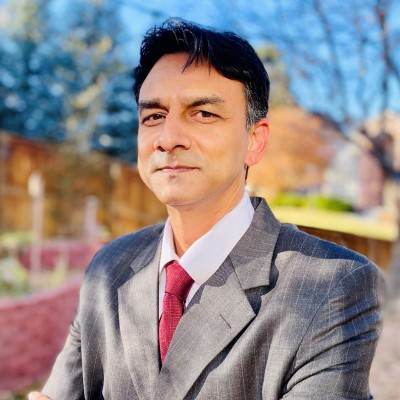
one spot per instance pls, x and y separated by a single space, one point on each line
170 199
176 200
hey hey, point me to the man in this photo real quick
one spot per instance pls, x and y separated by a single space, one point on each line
269 311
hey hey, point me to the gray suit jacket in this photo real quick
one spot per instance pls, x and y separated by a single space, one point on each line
287 315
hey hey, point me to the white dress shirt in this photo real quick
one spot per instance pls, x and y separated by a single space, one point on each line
207 253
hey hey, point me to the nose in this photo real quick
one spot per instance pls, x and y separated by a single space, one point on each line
172 135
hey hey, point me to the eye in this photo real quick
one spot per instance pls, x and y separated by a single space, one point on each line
152 119
205 116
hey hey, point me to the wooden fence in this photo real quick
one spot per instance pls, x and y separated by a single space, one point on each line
123 202
377 250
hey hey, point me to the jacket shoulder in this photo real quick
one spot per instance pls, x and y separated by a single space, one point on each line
319 253
124 249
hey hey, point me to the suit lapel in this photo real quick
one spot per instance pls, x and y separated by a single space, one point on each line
220 309
252 256
138 316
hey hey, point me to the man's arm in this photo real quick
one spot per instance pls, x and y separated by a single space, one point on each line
66 380
335 356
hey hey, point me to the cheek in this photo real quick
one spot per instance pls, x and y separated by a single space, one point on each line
145 138
235 153
227 165
141 170
141 144
145 149
143 161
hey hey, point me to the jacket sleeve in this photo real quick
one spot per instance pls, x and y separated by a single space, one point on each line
336 352
77 373
66 380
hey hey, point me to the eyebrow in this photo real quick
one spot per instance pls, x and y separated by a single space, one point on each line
201 101
189 102
152 103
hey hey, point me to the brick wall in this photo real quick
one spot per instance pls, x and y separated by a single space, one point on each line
76 253
32 332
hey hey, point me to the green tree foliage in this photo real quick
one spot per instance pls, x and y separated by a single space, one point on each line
102 106
63 75
31 92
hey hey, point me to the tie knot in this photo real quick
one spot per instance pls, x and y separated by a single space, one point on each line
179 281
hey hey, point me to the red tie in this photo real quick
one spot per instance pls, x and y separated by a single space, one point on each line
177 289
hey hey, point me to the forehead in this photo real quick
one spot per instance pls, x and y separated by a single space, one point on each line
169 78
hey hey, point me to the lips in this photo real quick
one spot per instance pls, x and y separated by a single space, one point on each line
173 163
175 168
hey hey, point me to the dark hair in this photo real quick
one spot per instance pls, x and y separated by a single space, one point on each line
232 56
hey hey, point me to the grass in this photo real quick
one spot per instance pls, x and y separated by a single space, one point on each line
337 221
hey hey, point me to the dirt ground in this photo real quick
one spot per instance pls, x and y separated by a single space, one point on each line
385 372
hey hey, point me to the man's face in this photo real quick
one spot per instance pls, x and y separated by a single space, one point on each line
192 142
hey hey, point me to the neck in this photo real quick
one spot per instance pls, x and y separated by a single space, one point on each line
189 223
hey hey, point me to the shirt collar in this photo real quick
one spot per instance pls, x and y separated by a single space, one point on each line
208 252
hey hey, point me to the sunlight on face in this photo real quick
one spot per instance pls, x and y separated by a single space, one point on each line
192 134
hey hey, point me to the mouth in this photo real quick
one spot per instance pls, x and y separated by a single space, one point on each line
175 168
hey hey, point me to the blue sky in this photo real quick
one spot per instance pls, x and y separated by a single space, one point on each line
239 16
262 21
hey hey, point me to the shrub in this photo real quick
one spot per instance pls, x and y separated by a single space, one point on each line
288 199
317 201
328 203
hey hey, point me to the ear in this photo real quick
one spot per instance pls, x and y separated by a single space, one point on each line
258 132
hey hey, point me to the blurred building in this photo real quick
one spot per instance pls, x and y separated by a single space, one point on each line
383 131
301 148
308 154
355 177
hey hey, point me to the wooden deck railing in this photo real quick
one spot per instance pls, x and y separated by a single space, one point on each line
377 250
